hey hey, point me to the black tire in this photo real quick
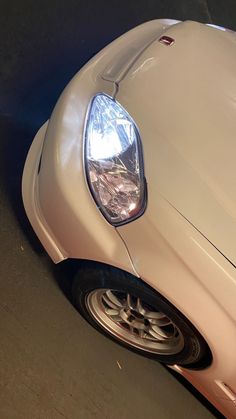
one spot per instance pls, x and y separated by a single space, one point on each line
91 276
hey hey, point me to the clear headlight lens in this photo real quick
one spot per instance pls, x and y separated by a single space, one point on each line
114 163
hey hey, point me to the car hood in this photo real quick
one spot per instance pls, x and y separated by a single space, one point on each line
183 99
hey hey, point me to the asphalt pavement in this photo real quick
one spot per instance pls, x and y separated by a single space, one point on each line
53 365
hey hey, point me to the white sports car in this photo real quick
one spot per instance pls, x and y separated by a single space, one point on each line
135 174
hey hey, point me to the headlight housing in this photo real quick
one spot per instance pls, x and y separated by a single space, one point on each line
114 161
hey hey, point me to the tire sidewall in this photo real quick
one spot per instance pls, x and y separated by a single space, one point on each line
90 279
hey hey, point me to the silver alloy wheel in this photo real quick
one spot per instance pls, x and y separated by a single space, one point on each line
132 321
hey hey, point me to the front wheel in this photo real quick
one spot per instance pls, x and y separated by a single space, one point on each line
131 313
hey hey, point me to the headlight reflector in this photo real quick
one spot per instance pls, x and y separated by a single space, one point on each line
114 163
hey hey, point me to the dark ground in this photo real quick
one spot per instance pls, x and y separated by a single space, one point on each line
52 364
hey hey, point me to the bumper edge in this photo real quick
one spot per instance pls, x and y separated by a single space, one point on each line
31 201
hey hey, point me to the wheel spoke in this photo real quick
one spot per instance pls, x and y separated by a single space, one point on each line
160 332
156 335
160 322
112 312
154 315
140 308
131 329
141 333
111 300
129 302
134 321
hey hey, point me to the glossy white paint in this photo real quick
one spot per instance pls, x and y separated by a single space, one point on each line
186 118
31 199
187 123
182 98
58 202
177 261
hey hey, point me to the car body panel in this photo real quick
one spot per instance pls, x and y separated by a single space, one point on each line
188 129
176 260
180 246
169 91
57 199
118 66
31 199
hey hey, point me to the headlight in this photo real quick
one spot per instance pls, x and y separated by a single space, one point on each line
114 163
